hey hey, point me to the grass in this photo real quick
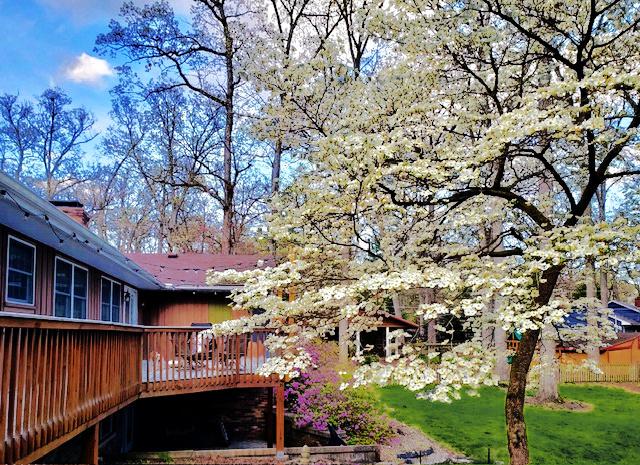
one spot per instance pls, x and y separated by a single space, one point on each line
607 435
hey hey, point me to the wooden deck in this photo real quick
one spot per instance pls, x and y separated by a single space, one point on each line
59 377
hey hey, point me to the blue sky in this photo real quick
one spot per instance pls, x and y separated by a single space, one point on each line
50 42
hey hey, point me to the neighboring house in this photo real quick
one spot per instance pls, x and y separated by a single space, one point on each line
79 377
625 317
186 297
624 350
380 342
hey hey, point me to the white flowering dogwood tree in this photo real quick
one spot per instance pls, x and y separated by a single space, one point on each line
475 113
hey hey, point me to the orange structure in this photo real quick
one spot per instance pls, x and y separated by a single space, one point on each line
626 350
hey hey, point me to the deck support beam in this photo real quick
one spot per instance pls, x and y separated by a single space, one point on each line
269 418
90 444
280 421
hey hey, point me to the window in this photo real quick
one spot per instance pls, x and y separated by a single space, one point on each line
21 270
111 297
70 290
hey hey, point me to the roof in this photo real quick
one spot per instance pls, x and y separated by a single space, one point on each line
627 312
624 341
27 213
393 321
188 271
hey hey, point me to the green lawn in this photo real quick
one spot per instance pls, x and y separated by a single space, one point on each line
607 435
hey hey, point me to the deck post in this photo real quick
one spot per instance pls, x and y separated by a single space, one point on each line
90 445
280 421
269 418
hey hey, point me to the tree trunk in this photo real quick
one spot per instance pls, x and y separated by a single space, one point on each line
275 168
593 351
514 402
227 243
343 340
604 288
548 389
228 240
428 296
432 334
500 341
397 306
601 197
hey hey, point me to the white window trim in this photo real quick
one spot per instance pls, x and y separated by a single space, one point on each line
6 283
113 281
73 282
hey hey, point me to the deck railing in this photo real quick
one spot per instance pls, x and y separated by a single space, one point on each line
190 360
59 377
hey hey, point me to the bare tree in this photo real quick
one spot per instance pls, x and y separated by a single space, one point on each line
16 133
60 134
203 59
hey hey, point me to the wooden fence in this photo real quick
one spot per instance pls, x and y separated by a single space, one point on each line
60 377
609 373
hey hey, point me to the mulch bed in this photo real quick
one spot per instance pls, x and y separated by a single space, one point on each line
564 404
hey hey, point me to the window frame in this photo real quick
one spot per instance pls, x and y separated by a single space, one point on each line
73 289
112 282
8 299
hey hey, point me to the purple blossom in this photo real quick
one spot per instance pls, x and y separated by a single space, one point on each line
316 400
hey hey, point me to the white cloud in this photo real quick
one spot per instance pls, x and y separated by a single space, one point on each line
87 69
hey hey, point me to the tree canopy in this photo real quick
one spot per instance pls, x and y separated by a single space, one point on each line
465 159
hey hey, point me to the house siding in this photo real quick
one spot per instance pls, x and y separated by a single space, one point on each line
44 280
182 308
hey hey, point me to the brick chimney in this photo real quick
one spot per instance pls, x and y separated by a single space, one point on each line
73 209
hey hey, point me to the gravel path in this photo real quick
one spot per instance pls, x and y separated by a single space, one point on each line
410 439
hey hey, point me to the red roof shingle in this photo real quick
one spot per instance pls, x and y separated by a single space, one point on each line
190 269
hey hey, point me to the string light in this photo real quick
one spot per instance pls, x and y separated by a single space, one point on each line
61 240
117 256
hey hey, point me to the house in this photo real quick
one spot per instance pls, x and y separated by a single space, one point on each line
186 297
380 341
622 351
625 317
80 377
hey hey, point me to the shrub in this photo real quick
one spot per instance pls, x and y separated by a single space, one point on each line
316 400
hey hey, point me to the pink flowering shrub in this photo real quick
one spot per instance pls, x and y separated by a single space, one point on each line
316 400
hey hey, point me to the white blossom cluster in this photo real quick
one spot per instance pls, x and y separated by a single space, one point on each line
462 160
